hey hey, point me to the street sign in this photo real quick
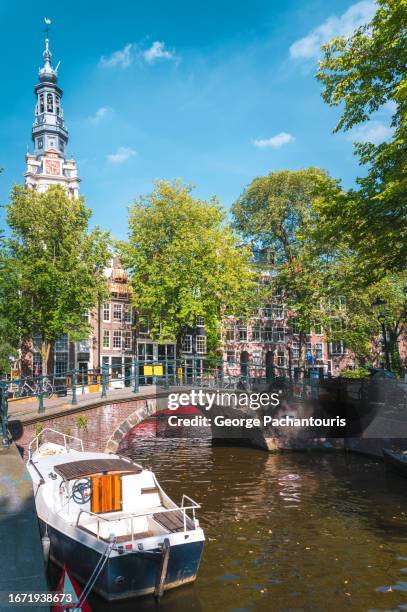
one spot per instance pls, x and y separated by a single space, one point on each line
156 370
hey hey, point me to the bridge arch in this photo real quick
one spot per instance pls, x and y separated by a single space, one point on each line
135 418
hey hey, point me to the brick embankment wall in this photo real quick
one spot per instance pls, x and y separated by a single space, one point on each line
101 423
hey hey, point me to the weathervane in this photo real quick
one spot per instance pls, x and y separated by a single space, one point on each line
47 22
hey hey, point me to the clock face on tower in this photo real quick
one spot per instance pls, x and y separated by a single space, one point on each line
52 166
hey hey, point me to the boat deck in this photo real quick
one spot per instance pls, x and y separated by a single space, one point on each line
125 530
173 521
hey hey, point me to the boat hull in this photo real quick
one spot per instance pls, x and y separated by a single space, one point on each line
128 575
394 462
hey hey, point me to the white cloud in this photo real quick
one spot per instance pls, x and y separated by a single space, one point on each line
122 58
158 51
121 155
274 142
344 25
102 113
374 131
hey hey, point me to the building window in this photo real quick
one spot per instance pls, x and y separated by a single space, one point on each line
200 322
106 313
242 332
256 333
127 314
143 325
40 143
117 339
61 355
268 335
278 334
295 350
117 312
231 358
318 329
257 358
61 345
230 333
37 364
201 344
319 353
268 311
50 103
42 108
57 104
278 314
127 340
187 344
281 359
337 348
294 326
61 363
106 339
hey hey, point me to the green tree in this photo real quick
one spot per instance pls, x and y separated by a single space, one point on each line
184 262
363 73
348 313
52 267
277 213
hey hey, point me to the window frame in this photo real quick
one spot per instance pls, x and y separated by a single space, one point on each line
106 308
106 334
117 333
200 338
117 307
186 343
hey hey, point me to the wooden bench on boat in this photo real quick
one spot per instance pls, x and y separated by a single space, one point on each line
173 521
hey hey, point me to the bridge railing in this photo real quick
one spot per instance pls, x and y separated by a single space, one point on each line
195 370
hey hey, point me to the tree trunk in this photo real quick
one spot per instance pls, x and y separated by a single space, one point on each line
45 350
394 350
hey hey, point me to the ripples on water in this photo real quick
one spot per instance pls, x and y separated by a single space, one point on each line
294 531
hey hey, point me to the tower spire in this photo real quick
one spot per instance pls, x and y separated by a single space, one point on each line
47 72
48 165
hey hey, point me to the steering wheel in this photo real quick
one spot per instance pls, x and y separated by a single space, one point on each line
81 491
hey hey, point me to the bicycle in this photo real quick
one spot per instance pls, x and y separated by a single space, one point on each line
26 390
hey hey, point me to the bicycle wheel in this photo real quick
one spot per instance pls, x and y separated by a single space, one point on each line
47 388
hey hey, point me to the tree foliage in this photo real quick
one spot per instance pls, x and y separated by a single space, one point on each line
277 212
52 267
320 280
184 262
363 73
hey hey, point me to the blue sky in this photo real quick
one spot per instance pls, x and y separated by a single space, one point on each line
214 92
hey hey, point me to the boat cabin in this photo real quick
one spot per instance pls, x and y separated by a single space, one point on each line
115 496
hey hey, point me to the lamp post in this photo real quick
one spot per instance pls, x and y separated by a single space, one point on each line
379 305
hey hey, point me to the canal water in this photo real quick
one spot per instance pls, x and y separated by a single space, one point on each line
294 531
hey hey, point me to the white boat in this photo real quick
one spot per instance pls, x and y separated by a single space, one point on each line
109 521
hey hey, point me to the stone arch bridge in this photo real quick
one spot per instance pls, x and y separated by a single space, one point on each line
103 422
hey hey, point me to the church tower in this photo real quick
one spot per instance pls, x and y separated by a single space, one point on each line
48 164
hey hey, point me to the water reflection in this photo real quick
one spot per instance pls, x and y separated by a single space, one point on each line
290 531
298 531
